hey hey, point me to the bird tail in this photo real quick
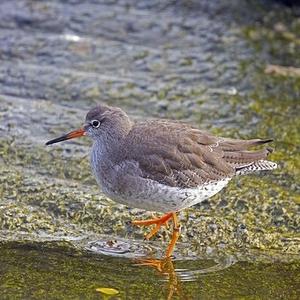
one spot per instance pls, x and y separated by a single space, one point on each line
246 161
237 145
260 165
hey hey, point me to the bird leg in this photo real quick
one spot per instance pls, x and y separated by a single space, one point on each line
175 235
162 221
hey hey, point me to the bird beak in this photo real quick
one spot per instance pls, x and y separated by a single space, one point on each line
68 136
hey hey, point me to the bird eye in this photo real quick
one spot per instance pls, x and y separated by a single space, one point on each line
95 123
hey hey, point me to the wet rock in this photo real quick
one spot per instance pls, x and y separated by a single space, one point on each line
180 60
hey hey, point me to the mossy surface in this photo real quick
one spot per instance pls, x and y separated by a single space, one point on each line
185 61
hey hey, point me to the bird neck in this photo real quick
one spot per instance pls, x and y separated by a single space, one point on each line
106 146
105 154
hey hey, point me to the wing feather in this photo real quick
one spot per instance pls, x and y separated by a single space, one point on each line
177 154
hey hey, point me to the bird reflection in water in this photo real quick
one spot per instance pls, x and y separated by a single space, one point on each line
166 268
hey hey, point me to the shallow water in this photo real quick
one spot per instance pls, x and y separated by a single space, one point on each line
231 67
35 271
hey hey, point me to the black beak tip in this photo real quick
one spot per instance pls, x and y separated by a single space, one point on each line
70 135
57 140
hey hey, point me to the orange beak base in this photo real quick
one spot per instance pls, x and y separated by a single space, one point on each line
71 135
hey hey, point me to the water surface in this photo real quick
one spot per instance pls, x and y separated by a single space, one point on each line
36 271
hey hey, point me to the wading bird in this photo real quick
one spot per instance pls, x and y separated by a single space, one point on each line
163 165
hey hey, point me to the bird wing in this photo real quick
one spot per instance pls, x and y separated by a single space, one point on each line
177 154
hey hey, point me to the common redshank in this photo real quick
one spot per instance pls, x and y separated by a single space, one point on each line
163 165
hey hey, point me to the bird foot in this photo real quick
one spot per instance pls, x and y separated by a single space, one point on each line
158 222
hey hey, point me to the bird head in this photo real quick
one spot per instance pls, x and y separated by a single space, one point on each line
101 122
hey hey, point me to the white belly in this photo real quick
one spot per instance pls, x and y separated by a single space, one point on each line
123 183
161 198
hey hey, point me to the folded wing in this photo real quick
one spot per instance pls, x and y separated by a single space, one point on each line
180 155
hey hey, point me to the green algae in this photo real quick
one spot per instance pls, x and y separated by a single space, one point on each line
36 271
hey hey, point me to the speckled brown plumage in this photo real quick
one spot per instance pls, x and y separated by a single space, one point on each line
178 154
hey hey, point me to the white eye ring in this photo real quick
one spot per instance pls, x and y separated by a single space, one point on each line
95 123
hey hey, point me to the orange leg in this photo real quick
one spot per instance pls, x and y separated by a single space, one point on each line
175 235
161 222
